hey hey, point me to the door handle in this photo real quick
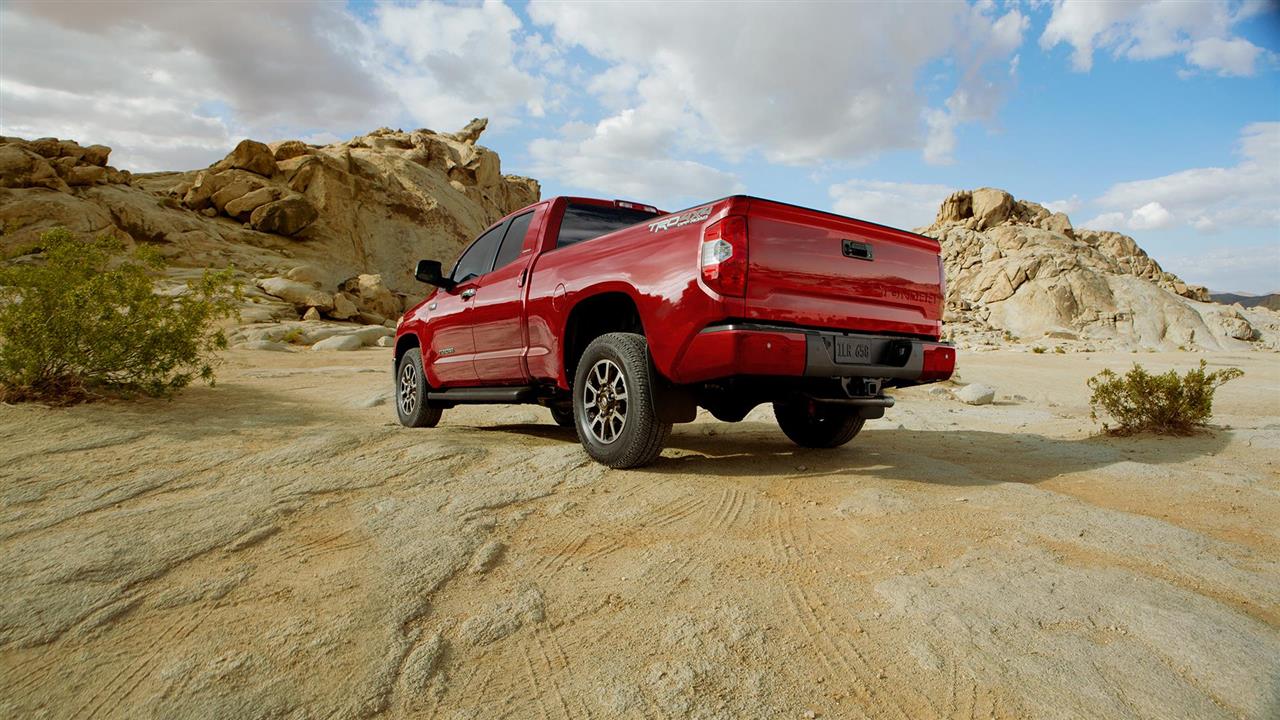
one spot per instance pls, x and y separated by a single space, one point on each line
524 274
468 293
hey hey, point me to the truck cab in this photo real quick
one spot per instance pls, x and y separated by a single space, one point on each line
622 320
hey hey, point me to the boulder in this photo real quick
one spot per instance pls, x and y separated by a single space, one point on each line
242 207
340 343
300 294
306 274
22 168
250 155
976 394
471 133
311 315
96 155
991 207
372 295
235 186
284 217
386 341
86 175
344 307
289 149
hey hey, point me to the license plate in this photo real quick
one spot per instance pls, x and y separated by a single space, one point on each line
852 351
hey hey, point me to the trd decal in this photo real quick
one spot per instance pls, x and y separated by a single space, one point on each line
681 220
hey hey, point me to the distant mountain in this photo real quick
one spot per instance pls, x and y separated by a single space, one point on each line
1271 301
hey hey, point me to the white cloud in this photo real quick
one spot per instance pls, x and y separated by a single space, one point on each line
1200 31
1106 221
622 156
1151 216
742 82
903 205
1213 198
1236 56
172 86
455 62
1067 206
1248 268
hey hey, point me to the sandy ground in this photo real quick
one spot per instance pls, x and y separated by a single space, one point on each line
277 546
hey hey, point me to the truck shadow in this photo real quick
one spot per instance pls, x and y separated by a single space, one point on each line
946 457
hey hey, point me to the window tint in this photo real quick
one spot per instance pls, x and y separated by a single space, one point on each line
514 241
585 222
478 258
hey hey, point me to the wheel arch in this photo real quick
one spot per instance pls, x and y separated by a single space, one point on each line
606 310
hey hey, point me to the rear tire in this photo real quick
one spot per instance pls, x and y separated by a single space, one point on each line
817 425
411 393
562 416
614 411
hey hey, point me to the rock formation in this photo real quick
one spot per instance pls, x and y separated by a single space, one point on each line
1015 270
334 228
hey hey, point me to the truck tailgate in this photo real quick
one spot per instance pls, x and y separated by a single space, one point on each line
816 269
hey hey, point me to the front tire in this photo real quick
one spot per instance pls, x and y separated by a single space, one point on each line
817 425
411 392
614 411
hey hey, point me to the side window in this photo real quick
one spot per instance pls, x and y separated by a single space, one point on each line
478 258
514 241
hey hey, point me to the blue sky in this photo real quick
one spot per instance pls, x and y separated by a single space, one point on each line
1157 119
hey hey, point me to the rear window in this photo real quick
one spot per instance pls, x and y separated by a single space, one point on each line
585 222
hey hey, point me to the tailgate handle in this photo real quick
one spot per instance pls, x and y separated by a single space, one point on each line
856 250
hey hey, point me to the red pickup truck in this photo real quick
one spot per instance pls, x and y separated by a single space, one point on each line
622 320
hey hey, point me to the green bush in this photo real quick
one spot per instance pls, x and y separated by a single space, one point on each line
1166 404
86 319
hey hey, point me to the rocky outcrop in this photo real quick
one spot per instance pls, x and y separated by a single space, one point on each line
1015 270
332 229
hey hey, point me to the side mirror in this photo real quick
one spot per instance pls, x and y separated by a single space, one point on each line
429 272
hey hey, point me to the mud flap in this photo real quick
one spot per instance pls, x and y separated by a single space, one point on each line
675 404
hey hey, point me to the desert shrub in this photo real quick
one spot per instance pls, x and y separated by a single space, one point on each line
1167 403
1038 349
86 319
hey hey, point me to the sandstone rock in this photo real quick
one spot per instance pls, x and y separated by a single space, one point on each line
300 294
284 217
311 315
289 149
386 341
234 187
265 345
48 147
958 207
378 206
339 342
250 155
344 307
991 207
86 175
71 149
369 318
372 295
976 394
306 274
22 168
96 155
242 207
471 133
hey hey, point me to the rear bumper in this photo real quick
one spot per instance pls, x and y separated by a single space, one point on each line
723 351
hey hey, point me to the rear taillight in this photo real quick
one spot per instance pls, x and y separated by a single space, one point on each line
939 363
724 255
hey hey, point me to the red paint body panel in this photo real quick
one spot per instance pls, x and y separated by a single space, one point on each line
798 274
513 330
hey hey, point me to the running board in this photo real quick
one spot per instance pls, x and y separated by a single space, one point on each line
482 396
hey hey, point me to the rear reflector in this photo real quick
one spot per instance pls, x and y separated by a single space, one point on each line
724 256
939 363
